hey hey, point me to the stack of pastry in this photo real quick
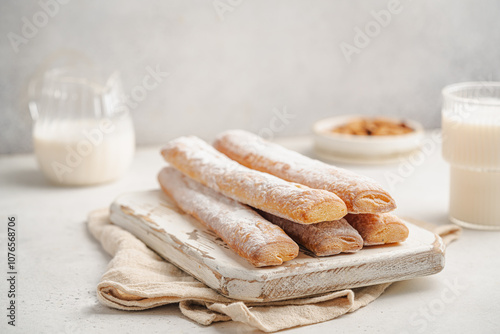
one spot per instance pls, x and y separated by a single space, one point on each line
263 199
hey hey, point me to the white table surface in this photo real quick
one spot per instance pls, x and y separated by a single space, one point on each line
59 263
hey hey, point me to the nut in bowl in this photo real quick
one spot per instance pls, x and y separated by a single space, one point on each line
364 139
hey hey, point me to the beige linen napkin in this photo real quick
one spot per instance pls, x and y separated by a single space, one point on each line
138 279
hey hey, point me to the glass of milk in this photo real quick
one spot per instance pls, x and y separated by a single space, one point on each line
82 133
471 144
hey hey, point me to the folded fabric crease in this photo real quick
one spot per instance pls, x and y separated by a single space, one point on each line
138 279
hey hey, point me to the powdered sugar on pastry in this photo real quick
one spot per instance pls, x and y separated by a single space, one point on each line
360 194
292 201
323 239
245 231
378 229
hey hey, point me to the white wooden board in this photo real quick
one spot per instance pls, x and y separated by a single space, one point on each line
182 240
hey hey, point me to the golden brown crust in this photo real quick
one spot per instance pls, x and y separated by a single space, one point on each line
378 229
292 201
360 194
323 239
247 233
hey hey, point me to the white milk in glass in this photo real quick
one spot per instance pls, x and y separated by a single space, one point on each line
82 133
84 151
471 144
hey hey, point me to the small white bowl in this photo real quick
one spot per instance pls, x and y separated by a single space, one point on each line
364 149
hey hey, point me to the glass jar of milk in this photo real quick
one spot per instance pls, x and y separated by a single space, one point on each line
82 133
471 144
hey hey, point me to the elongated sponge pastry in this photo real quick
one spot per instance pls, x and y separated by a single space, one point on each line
263 191
323 239
245 232
361 194
378 229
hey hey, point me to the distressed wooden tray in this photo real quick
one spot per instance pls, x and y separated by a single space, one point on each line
182 240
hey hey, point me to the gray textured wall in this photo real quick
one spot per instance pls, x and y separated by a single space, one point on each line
234 63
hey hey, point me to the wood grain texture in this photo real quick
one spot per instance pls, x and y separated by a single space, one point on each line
180 239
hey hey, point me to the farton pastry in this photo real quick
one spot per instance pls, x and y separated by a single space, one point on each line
323 239
299 203
378 229
360 194
244 230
